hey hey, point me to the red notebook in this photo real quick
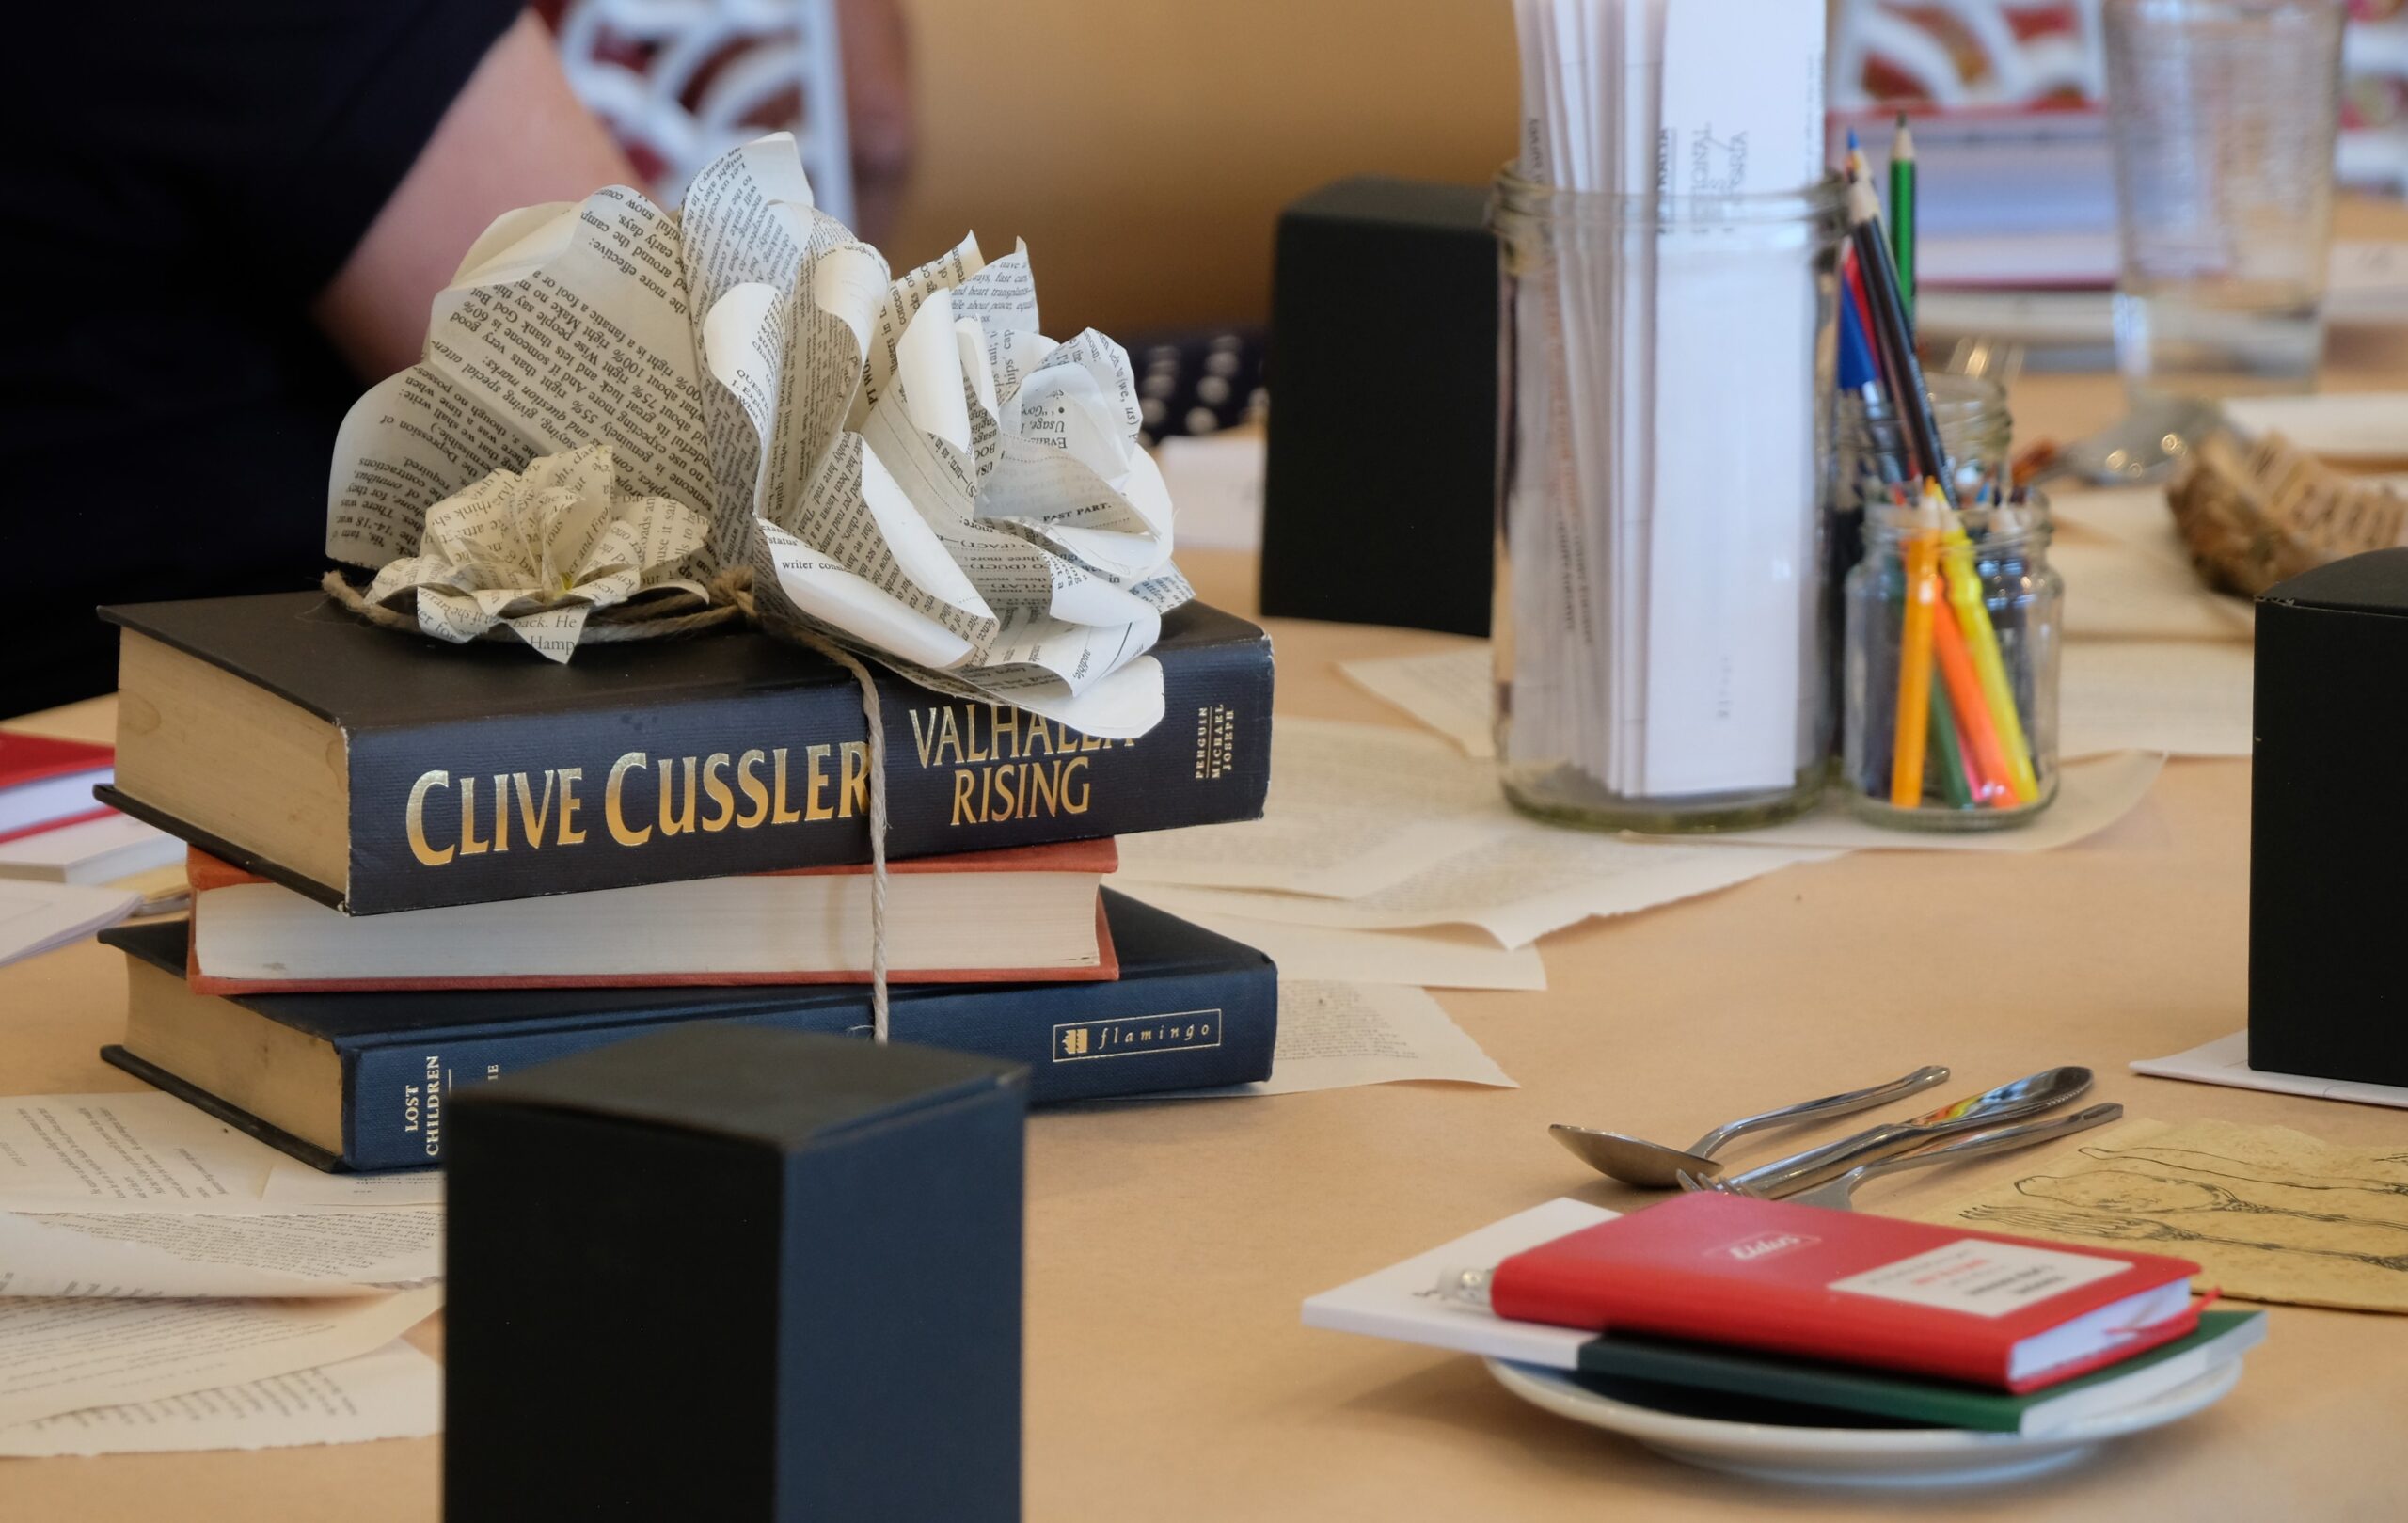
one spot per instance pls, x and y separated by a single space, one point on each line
1976 1307
45 784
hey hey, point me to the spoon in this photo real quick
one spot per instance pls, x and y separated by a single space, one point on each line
2143 447
1635 1161
2027 1096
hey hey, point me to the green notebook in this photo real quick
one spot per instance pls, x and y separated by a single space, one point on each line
1788 1390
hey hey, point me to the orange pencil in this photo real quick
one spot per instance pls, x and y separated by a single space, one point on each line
1914 653
1984 753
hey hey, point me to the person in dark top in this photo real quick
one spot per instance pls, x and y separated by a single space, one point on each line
220 222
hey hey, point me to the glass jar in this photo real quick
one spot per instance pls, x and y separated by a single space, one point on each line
1975 433
1665 378
1984 629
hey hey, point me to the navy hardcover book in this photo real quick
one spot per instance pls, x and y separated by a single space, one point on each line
378 772
358 1081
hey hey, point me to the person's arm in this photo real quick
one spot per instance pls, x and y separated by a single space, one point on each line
516 136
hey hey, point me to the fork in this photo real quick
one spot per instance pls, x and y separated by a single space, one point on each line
1837 1194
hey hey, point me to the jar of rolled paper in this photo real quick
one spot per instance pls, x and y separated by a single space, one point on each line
1659 609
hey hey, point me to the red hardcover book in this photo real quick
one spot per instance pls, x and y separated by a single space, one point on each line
1976 1307
45 784
1018 914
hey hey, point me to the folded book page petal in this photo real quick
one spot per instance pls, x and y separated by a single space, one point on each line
553 631
791 576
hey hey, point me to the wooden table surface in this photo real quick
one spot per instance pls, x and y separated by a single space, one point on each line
1170 1244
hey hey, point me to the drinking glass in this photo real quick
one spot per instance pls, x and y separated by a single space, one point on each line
2223 114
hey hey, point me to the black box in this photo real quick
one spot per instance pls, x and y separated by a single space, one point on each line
2328 829
1380 483
738 1274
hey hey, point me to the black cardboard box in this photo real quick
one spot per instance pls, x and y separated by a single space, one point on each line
738 1274
1379 488
2328 829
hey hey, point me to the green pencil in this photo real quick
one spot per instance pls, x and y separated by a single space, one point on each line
1902 212
1943 746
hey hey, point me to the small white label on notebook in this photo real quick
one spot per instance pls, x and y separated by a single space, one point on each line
1979 1278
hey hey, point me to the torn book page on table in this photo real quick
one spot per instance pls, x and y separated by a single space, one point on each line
1444 958
1392 829
64 1356
325 1253
2226 1061
1352 808
1515 889
1453 691
141 1150
1334 1036
395 1392
2091 795
2183 697
2117 592
35 917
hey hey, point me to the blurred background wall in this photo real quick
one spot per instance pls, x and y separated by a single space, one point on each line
1144 147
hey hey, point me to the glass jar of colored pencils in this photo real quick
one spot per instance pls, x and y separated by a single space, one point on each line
1665 445
1950 712
1977 433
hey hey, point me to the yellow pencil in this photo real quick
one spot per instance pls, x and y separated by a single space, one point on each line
1914 653
1974 617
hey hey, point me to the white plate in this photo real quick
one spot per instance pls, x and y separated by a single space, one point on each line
1853 1456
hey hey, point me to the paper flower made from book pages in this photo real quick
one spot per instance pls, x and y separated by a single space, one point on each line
909 466
536 551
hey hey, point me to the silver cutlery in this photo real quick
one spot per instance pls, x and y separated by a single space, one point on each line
1637 1161
2140 448
2028 1096
1838 1192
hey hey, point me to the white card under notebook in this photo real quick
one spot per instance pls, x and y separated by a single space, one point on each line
1402 1301
36 917
2226 1061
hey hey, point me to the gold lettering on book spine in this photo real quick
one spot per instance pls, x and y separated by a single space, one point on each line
414 818
614 801
1004 766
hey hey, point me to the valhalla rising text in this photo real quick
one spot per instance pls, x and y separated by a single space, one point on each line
1005 765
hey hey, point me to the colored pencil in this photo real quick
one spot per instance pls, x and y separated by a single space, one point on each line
1989 664
1965 694
1894 342
1908 731
1901 212
1956 778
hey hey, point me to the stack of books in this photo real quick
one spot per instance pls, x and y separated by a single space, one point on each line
419 865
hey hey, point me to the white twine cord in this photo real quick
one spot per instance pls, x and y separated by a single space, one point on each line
877 821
